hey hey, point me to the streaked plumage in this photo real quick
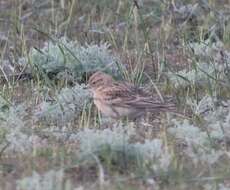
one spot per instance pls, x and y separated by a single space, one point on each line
117 100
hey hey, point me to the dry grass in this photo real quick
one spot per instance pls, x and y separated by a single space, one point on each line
174 47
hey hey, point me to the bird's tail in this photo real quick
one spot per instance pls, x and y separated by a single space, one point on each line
164 106
153 104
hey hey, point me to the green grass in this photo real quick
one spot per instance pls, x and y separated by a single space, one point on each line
151 46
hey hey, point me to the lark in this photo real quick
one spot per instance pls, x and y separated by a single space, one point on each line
122 99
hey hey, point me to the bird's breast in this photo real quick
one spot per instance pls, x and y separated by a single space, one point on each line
106 109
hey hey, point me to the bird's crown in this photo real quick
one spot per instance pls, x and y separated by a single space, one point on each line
98 79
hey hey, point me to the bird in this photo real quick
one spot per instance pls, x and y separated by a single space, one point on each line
117 99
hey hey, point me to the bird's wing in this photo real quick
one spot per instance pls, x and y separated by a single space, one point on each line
124 95
119 94
151 103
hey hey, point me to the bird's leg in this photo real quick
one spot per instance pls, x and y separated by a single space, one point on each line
143 121
105 122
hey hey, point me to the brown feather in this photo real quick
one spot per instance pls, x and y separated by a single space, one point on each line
117 99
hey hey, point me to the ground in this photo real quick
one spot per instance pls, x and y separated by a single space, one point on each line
51 134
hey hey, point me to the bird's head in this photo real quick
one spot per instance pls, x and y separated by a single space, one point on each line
99 79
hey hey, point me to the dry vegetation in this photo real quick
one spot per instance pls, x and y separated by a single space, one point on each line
51 135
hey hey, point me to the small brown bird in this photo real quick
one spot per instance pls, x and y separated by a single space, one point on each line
118 100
